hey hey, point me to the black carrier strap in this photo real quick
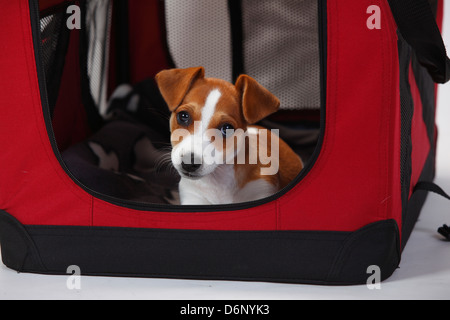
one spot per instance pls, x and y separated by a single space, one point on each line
432 187
417 24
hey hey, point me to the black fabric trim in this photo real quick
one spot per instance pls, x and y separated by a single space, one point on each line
407 112
237 37
427 91
17 247
417 200
315 257
431 187
426 87
427 187
434 6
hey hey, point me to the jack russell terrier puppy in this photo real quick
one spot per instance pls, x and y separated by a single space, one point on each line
220 155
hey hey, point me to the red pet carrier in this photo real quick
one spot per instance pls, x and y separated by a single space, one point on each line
359 77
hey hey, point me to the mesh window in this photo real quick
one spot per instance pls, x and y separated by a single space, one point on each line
119 146
281 49
98 32
199 34
280 44
49 37
54 42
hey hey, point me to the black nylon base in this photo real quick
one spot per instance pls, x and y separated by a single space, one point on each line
418 199
332 258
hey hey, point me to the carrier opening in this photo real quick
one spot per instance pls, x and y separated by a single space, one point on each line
110 120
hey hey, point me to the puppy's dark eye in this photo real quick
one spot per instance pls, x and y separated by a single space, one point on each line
184 118
227 130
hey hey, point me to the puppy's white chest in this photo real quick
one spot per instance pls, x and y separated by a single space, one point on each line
217 188
222 188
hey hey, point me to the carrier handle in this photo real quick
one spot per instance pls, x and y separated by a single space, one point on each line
434 188
417 24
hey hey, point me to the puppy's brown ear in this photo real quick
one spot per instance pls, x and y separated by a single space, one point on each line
257 101
174 84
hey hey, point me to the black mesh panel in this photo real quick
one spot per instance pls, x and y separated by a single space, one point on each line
54 43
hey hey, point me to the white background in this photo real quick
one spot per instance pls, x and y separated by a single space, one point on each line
424 271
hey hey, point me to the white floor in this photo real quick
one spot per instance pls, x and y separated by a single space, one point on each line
424 271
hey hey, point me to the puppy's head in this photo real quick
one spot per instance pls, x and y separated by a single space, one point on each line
207 115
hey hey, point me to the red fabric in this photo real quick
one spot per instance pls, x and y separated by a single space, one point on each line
440 14
147 47
69 117
33 186
354 182
147 44
419 135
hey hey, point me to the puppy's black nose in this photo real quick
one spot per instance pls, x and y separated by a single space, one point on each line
191 166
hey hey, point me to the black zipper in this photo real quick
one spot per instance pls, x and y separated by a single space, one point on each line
322 11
